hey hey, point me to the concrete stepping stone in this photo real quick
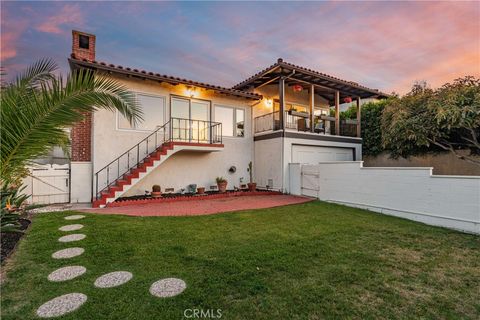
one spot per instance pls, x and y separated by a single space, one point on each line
61 305
74 217
72 237
68 253
113 279
168 287
71 227
66 273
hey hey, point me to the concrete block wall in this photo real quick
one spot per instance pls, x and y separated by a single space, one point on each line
412 193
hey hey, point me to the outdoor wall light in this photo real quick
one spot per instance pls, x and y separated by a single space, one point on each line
269 103
190 92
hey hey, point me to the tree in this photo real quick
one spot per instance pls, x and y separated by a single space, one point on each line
426 120
38 106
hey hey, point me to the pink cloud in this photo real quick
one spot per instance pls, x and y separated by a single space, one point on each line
12 30
69 14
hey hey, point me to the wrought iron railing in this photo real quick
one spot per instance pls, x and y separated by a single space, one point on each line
176 129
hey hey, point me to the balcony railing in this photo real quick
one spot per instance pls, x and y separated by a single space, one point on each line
323 124
267 122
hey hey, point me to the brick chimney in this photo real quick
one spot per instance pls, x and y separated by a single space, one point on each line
83 47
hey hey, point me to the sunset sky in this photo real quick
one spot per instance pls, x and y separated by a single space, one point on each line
384 45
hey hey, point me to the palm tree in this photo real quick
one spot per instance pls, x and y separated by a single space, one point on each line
38 106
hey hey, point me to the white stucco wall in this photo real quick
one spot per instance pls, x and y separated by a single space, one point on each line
268 165
81 182
201 168
183 168
412 193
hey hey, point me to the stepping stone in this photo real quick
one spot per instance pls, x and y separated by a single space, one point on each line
66 273
167 287
71 227
74 217
67 253
113 279
61 305
72 237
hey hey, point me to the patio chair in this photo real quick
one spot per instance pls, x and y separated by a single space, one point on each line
319 127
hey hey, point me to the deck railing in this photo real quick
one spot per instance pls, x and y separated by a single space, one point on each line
176 129
267 122
324 124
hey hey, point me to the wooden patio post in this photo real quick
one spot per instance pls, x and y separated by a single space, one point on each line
312 107
337 113
359 117
281 96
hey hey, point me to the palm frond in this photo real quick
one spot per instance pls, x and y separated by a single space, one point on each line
40 71
39 107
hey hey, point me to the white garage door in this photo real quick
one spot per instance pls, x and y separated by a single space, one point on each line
314 155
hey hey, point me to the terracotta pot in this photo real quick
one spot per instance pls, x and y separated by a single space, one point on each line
156 194
222 186
201 190
252 186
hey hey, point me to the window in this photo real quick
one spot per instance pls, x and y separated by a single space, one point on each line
153 108
83 41
240 122
232 120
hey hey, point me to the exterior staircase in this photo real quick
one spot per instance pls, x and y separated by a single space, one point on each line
156 148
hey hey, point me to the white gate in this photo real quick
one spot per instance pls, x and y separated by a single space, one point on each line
310 181
48 184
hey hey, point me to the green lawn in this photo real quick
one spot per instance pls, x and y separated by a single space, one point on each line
308 261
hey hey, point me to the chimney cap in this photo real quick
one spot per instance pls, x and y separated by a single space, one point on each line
82 32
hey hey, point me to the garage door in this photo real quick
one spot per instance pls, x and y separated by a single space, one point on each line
314 155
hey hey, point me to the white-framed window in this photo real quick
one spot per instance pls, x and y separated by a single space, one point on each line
232 120
154 113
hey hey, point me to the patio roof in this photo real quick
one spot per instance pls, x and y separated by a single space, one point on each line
142 74
325 85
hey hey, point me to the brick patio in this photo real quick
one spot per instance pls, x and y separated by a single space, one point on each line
203 207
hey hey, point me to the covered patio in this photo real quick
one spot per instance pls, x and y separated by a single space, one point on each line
313 115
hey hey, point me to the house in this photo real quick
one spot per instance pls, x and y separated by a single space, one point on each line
194 131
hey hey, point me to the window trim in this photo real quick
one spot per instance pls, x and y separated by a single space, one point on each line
141 93
234 120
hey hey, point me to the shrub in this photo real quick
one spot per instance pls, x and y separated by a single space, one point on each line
371 127
220 180
11 203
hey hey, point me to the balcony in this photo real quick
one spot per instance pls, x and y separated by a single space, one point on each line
295 121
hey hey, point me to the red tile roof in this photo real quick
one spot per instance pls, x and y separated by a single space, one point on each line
159 77
281 63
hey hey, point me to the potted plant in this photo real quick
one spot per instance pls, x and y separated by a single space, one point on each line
201 190
156 191
252 186
222 184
